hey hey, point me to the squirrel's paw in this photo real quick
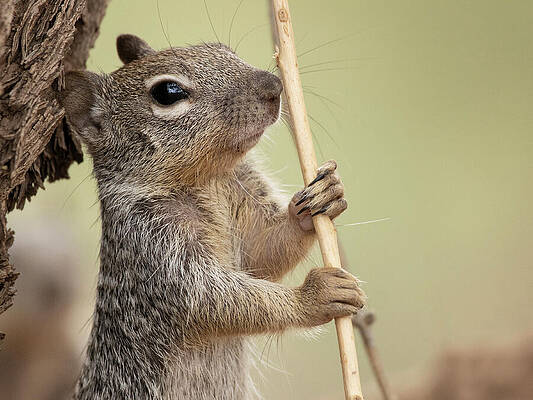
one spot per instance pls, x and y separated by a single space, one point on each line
324 195
329 293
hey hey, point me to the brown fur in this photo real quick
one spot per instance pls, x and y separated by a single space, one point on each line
194 237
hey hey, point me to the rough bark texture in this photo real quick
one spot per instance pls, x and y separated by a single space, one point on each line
39 41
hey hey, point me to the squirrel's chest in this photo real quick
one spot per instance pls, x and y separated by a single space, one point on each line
220 235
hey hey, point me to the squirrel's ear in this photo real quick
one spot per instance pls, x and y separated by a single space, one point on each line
131 47
78 97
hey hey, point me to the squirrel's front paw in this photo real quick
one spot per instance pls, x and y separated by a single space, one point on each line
329 293
324 195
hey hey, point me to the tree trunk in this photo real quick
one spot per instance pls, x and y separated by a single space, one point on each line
39 41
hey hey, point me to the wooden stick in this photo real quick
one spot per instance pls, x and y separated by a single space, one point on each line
327 235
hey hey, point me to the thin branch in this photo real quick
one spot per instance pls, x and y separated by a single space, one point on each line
363 321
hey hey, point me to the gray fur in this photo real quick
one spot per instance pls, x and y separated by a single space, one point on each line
194 237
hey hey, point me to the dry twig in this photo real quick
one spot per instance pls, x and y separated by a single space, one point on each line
363 321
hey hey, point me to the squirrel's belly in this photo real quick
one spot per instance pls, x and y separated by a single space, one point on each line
220 370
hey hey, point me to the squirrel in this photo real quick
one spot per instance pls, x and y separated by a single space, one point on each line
195 238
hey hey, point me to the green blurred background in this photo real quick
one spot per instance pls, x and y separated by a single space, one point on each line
428 108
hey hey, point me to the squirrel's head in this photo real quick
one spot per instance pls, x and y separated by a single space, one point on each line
176 116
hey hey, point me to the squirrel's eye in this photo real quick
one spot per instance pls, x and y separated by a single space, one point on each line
168 92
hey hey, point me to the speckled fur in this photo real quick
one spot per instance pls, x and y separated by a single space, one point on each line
194 237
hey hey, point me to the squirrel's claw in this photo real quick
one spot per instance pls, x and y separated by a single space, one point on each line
324 195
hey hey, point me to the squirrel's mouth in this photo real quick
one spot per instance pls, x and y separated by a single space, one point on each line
250 135
247 139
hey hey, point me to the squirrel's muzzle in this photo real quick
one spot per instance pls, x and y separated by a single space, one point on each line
269 86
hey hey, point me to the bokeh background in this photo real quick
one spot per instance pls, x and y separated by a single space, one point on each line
428 108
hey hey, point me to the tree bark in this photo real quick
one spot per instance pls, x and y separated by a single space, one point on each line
40 40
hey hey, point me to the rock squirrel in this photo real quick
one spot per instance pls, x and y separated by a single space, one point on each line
194 236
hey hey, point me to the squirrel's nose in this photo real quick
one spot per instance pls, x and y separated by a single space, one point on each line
269 85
